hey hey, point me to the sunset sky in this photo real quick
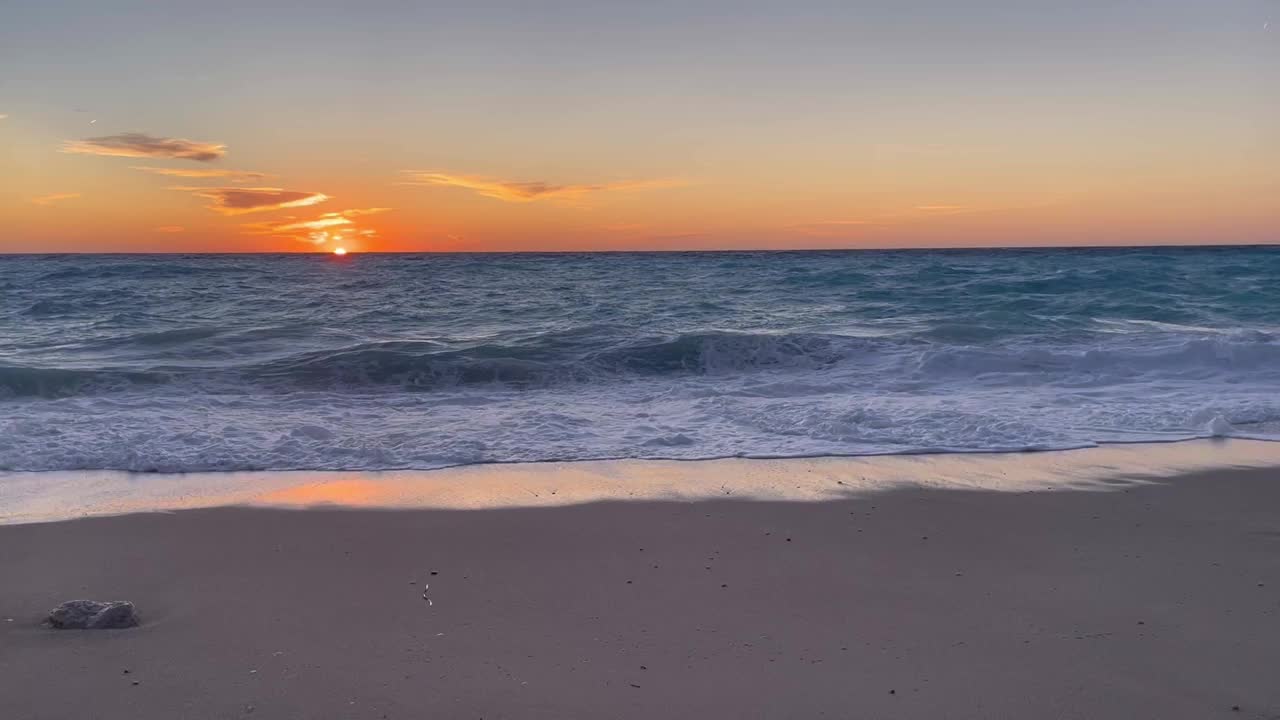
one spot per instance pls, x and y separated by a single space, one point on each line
398 126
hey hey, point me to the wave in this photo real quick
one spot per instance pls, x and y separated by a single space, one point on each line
50 307
602 356
133 271
1235 352
427 365
554 360
22 381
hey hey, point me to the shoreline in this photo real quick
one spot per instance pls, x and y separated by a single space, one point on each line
51 496
1155 600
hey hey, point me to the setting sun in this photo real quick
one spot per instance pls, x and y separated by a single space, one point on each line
340 251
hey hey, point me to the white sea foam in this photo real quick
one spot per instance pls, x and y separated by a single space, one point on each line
37 497
962 400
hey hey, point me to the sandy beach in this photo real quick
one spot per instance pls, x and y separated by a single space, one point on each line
1156 600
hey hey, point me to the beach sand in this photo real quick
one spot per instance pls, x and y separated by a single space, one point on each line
1159 600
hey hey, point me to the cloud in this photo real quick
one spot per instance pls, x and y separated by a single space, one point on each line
170 229
327 220
238 201
357 212
4 116
906 216
199 173
329 226
143 145
56 197
520 192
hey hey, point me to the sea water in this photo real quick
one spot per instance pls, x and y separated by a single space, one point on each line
238 362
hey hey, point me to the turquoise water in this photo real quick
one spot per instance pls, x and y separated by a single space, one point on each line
175 363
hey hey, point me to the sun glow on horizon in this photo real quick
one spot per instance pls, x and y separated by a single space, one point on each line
339 251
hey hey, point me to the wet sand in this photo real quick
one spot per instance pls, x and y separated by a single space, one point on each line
1150 601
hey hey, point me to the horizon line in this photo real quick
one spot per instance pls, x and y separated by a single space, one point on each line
609 251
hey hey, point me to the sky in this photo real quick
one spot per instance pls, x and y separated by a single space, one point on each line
577 125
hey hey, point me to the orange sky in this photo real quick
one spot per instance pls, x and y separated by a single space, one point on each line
810 127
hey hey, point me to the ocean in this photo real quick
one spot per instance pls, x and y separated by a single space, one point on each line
176 363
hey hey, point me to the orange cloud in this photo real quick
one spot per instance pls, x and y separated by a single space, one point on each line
170 229
56 197
143 145
327 220
239 201
329 226
519 191
201 173
914 215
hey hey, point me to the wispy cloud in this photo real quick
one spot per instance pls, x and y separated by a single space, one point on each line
904 216
4 116
170 229
327 220
140 145
56 197
527 191
333 226
204 173
239 201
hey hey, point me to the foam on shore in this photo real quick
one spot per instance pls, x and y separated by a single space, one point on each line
51 496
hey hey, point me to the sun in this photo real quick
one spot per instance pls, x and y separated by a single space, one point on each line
339 251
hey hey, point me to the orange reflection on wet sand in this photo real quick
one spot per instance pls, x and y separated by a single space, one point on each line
351 493
34 497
